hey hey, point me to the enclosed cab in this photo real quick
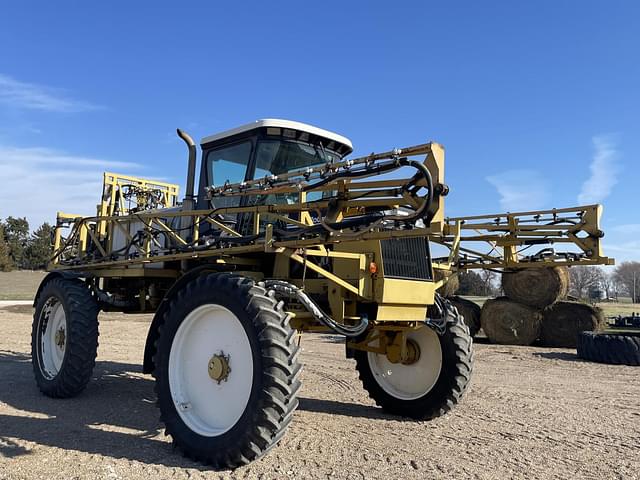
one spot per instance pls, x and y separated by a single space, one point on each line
262 149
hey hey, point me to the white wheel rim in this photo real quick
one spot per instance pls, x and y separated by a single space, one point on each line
207 407
410 382
53 339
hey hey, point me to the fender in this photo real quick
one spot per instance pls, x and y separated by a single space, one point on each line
158 318
58 274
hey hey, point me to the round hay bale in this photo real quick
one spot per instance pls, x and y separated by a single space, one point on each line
451 287
470 311
536 287
563 322
510 323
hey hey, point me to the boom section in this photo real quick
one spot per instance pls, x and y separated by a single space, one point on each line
542 238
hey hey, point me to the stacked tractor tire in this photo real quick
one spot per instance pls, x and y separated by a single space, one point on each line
534 310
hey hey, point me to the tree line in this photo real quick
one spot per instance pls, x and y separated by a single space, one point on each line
586 282
591 282
20 249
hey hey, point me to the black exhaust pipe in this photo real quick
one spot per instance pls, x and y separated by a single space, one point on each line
191 170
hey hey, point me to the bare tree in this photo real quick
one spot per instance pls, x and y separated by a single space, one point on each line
583 279
627 274
609 285
488 282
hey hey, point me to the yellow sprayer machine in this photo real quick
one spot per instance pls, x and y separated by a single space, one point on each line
283 234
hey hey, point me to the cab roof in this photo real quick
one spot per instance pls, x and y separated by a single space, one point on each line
283 124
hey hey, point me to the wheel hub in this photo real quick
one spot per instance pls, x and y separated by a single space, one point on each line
413 353
407 356
219 368
412 374
60 337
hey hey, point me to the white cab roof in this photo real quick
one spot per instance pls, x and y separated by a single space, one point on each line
274 122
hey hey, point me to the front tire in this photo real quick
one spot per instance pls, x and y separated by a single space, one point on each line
64 337
431 386
226 370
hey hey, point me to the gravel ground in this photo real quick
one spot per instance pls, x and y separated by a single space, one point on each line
530 413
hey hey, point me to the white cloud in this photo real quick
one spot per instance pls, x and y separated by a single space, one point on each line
37 182
17 94
604 171
521 189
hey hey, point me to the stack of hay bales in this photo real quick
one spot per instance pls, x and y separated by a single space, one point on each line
532 310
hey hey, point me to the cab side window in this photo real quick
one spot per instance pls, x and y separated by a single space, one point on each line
228 164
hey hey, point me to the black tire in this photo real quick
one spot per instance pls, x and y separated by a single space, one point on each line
455 375
614 348
81 337
273 397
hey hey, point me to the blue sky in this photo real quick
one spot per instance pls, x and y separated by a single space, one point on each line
536 103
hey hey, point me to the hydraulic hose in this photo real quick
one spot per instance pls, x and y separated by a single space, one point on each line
289 290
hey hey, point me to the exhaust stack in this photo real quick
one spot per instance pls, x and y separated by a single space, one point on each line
191 170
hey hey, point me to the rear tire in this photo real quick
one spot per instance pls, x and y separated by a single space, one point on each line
64 337
440 376
231 418
613 348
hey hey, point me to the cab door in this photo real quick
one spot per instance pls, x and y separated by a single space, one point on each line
228 163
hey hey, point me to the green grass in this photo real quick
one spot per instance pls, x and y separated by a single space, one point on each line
20 284
613 309
635 332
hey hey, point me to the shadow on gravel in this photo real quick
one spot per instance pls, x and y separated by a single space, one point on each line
482 340
334 407
115 416
571 357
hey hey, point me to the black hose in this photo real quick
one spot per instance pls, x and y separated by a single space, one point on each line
422 213
387 167
289 290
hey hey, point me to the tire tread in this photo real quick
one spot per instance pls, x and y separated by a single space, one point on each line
612 348
279 376
458 336
82 338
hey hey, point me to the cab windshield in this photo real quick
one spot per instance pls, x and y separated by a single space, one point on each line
272 157
275 157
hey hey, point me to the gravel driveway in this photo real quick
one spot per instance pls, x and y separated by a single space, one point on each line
530 413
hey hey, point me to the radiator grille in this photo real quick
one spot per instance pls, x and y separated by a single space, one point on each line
406 258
